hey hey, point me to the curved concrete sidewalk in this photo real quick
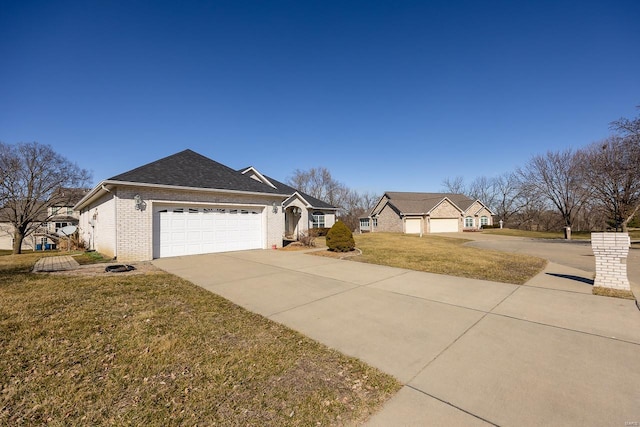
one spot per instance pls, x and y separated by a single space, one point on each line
469 352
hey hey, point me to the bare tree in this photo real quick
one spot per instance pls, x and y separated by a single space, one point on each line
317 182
368 200
454 185
484 189
612 169
627 128
351 208
509 199
557 176
32 177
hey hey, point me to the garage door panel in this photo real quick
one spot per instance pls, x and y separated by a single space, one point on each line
178 236
187 231
413 225
444 225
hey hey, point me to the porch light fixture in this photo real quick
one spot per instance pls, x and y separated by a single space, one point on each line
138 201
275 207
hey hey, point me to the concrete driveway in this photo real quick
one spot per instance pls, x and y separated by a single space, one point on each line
469 352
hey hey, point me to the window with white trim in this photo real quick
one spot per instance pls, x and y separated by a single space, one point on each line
468 222
484 220
317 220
375 222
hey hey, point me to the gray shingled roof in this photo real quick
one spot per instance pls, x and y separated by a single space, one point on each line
422 203
190 169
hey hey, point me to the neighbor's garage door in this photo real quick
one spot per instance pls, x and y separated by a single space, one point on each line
443 225
183 230
412 226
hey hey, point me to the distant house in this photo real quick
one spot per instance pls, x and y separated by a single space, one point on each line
425 213
53 217
187 204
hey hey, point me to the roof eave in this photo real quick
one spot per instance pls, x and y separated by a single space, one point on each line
102 187
307 204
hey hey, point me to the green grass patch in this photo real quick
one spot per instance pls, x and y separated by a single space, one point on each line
156 350
90 257
443 255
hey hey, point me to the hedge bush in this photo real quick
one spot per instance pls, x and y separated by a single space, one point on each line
340 238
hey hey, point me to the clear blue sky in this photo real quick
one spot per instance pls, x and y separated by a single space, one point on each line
394 95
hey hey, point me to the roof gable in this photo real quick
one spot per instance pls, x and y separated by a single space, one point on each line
480 206
190 169
255 174
423 203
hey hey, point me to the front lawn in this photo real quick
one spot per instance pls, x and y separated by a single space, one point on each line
575 235
154 349
444 255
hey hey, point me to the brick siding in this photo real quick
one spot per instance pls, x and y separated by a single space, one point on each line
611 250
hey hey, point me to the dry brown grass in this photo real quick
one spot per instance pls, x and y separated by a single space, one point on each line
157 350
615 293
576 235
443 255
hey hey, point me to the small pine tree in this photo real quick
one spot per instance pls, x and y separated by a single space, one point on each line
340 238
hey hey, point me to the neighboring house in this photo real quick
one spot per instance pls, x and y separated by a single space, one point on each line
7 232
424 213
53 218
188 204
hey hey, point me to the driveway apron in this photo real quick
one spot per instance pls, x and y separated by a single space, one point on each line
470 352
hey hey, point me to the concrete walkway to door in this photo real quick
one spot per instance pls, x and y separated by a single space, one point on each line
469 352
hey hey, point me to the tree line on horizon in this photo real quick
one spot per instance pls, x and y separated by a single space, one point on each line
595 187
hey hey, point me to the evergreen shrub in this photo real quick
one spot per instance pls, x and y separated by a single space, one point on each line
340 238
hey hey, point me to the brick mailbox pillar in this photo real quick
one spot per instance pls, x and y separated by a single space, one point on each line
611 250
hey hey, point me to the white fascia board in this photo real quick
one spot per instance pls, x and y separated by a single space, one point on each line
298 196
97 191
105 184
308 205
262 178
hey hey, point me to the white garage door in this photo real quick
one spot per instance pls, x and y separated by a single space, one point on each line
412 225
183 230
443 225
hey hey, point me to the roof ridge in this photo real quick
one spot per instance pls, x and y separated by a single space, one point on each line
188 168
